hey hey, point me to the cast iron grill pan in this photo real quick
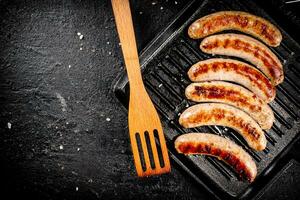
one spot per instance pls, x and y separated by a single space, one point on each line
165 63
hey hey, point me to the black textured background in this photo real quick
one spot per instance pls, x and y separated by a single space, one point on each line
68 137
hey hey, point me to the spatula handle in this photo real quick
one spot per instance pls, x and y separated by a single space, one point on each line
125 29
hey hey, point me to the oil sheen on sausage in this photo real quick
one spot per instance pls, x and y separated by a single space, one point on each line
235 95
225 115
222 148
236 20
247 48
233 71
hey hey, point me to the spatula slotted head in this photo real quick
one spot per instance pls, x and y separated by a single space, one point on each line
147 139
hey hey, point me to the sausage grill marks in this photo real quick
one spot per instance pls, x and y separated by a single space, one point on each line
246 48
222 148
236 20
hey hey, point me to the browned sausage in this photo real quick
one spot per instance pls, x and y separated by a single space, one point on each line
234 71
236 20
224 149
225 115
235 95
248 49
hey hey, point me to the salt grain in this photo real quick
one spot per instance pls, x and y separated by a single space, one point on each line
69 66
80 48
8 125
61 147
78 33
175 2
78 149
108 119
141 12
81 37
153 3
109 52
107 42
160 85
76 188
161 8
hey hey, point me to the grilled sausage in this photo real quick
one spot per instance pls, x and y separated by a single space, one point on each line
246 48
222 148
234 71
235 95
225 115
236 20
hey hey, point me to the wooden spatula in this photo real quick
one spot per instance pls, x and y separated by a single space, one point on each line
143 120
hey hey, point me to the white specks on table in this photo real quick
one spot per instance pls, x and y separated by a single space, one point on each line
80 35
90 180
107 42
108 119
62 101
69 66
161 8
175 2
74 173
78 149
76 188
160 85
109 53
141 12
61 147
80 48
8 125
153 3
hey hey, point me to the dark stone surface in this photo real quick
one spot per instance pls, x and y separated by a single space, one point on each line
58 100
